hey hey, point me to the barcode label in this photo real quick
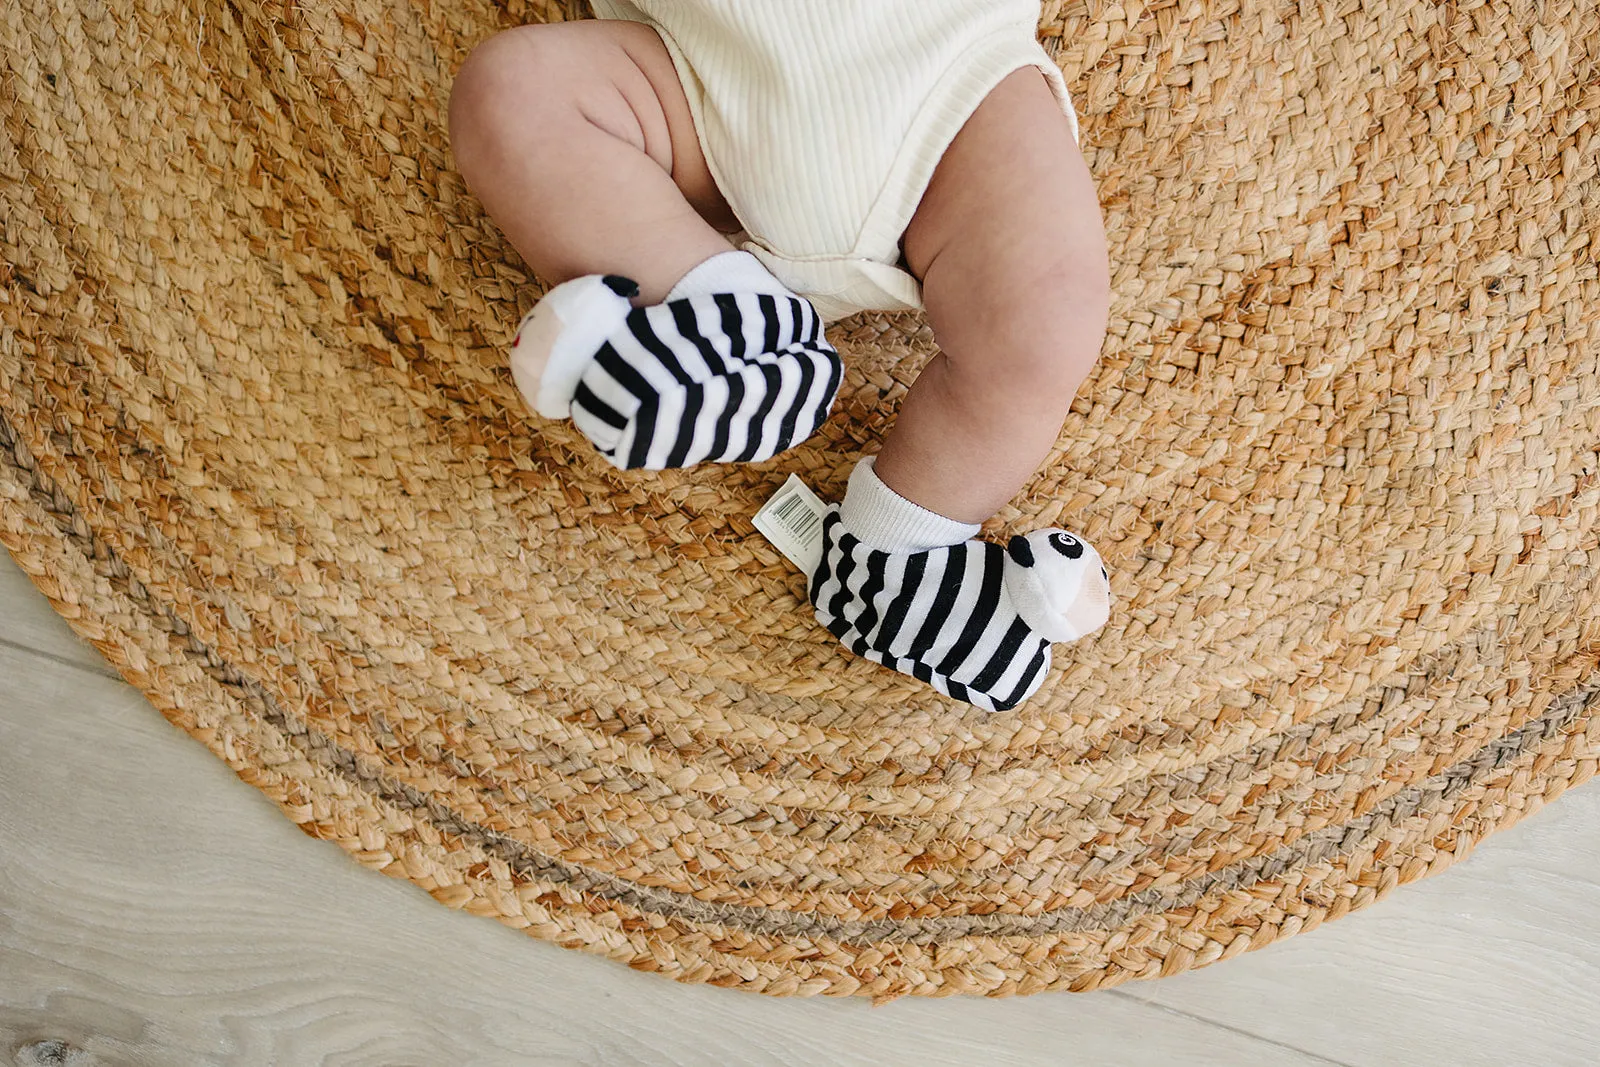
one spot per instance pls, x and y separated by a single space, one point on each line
792 521
794 513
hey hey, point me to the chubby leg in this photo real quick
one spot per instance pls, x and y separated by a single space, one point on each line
577 138
1010 249
665 346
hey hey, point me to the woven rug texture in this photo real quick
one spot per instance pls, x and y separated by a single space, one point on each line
260 444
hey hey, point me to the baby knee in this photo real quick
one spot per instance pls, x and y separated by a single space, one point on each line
1053 334
508 88
1072 305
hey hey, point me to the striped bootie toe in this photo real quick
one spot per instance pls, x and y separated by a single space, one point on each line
704 378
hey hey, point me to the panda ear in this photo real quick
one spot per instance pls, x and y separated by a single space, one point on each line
621 286
1020 550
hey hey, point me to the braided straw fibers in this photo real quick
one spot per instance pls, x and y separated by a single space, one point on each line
261 446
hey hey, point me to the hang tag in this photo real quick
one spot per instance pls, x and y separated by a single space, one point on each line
792 521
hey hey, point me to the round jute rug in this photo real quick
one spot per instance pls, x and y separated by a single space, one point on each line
262 447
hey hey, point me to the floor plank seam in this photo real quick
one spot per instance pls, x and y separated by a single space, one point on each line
103 671
1206 1021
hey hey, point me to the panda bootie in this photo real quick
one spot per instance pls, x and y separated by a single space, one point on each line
972 619
704 377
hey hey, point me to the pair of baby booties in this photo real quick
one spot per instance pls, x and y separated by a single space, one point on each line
742 376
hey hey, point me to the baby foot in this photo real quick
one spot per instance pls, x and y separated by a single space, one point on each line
973 620
704 378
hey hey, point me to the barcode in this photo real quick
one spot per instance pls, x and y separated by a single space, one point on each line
795 514
791 521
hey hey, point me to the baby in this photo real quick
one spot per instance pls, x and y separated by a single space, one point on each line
708 182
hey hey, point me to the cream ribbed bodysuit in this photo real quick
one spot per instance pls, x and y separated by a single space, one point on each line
822 120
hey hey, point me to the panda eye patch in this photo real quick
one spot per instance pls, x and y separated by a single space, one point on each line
1066 544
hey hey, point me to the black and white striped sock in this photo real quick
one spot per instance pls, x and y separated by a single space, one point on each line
706 377
972 619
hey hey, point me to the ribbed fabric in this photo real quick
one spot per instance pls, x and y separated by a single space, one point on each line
887 521
822 121
728 272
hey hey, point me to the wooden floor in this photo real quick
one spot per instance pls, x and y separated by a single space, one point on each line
156 910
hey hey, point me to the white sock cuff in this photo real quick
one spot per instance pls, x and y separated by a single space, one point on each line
728 272
885 520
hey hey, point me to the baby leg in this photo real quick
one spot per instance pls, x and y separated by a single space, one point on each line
576 137
1008 244
578 140
1010 249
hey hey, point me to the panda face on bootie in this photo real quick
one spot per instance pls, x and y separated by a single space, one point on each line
558 337
1059 584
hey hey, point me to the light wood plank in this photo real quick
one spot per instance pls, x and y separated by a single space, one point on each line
1495 961
156 910
28 621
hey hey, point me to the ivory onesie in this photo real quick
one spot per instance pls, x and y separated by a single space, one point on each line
822 120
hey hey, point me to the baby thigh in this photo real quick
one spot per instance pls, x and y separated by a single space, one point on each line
577 138
1010 249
